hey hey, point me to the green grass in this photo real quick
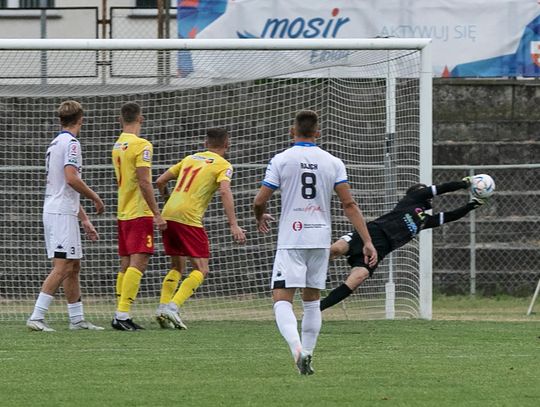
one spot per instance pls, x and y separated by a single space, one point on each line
358 363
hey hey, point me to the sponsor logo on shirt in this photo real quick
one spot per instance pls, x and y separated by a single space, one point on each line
411 225
73 152
207 160
121 146
309 209
297 226
228 173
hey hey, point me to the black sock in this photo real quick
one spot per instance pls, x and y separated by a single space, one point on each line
336 295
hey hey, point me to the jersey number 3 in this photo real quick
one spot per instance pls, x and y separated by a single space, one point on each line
309 180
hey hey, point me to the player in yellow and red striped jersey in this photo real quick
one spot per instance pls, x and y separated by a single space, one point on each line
197 176
137 211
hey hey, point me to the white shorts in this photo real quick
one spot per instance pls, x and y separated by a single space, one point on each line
300 268
62 236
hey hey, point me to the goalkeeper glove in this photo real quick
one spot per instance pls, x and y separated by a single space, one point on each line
478 202
467 180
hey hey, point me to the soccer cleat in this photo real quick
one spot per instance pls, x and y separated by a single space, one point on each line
38 325
123 325
85 325
303 363
164 323
174 318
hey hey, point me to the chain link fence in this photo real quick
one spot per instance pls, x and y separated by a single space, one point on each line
495 249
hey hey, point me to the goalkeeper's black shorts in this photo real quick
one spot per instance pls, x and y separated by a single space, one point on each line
355 255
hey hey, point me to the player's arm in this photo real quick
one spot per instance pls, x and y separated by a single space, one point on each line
145 185
440 189
353 213
228 207
441 218
89 229
259 208
162 182
71 173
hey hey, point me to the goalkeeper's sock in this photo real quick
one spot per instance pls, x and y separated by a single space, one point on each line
42 306
119 282
75 312
336 295
288 325
168 288
130 287
311 324
188 287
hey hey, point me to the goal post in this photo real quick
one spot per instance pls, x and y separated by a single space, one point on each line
374 101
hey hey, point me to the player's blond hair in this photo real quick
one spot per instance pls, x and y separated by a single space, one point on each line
69 112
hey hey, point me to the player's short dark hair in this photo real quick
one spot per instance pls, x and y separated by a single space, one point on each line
306 123
414 188
130 112
69 112
216 137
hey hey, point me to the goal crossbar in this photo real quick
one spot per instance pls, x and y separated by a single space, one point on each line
214 44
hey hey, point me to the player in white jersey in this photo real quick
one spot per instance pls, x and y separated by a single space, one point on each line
307 177
61 214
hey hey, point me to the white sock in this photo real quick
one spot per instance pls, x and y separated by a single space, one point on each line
121 316
172 306
288 325
311 324
42 305
75 312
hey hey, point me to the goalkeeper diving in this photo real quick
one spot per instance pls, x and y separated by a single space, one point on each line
393 230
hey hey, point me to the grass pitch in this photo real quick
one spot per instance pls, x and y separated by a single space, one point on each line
357 363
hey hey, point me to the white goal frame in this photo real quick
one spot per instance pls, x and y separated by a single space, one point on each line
425 98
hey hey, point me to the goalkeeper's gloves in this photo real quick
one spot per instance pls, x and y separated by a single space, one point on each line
467 180
478 202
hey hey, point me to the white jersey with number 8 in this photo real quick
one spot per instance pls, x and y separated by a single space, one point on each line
306 175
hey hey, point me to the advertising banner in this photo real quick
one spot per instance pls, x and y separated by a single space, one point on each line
480 38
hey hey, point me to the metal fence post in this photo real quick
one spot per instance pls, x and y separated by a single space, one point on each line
43 34
472 247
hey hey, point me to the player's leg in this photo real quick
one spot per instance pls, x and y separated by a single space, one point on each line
172 279
317 269
190 241
36 322
288 274
131 283
339 248
356 277
59 245
192 281
168 288
286 319
135 239
72 290
124 264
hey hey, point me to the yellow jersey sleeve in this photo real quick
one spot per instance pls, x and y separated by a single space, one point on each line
225 173
175 169
143 154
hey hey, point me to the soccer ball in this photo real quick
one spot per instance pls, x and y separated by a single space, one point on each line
482 186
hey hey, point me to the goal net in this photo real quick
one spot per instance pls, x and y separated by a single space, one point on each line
374 101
